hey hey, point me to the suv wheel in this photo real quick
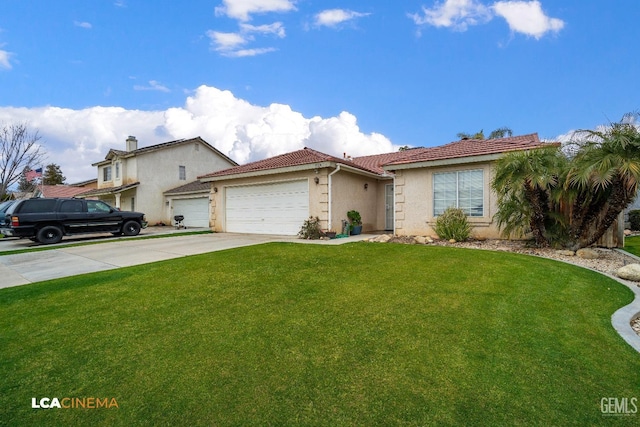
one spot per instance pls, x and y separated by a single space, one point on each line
49 234
131 228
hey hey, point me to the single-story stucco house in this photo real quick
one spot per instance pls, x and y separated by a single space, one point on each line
401 192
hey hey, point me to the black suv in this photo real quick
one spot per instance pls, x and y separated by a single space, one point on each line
47 220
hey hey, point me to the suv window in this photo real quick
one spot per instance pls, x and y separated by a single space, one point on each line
97 206
36 206
71 206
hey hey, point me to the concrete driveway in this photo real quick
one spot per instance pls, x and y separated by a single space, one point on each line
64 261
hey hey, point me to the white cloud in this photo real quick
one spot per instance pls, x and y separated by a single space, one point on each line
153 85
225 42
334 17
241 53
76 138
527 17
522 16
85 25
276 28
456 14
229 44
242 9
4 60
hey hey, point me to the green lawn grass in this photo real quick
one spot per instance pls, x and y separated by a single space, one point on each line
632 245
291 334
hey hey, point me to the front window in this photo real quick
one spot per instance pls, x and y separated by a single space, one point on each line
182 173
462 189
106 173
98 206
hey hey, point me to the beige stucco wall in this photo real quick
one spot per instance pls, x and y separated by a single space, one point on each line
158 171
347 193
414 201
318 194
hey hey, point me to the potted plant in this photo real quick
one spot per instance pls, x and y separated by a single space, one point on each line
355 222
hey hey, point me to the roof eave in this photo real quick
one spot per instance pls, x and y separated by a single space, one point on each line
297 168
444 162
287 169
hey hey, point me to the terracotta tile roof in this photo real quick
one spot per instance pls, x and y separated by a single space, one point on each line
107 190
377 161
472 147
305 156
192 187
121 153
60 190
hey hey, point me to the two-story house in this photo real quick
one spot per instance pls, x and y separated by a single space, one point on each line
134 179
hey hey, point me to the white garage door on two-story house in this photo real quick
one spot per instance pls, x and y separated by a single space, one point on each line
135 178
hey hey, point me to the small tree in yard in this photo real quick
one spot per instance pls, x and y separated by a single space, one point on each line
526 183
580 194
19 149
604 177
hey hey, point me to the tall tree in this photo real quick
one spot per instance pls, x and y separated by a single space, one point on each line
496 133
19 148
53 175
24 184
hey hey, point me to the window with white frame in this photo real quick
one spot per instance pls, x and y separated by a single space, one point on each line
460 189
106 173
182 173
117 170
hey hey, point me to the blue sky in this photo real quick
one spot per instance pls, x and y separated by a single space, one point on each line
260 77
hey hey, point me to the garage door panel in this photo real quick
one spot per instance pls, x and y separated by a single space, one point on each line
195 211
277 208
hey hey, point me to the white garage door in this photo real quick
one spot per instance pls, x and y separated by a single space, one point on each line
278 208
195 211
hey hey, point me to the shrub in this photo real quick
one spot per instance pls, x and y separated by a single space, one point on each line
453 224
354 217
310 230
634 219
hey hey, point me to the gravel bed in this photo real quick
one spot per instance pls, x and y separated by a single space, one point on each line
608 261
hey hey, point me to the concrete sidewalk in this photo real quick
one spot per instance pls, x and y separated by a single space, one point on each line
64 261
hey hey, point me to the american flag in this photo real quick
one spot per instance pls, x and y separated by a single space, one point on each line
33 174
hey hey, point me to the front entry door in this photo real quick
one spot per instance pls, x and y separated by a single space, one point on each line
389 207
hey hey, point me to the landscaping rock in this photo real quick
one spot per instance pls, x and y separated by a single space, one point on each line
629 272
421 240
452 240
565 253
627 232
429 239
587 253
384 238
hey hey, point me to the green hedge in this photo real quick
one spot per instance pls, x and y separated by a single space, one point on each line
634 219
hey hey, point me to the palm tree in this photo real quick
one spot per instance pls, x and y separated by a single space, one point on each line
497 133
603 177
526 183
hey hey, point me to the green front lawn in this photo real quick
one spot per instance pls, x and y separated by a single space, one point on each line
291 334
632 245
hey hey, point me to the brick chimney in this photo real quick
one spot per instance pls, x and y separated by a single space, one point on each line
132 143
